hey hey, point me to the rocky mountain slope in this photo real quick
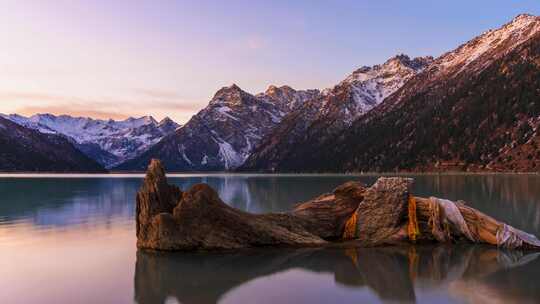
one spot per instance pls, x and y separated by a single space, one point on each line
24 149
474 108
334 110
222 135
109 142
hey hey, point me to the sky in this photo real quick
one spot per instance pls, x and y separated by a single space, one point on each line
114 59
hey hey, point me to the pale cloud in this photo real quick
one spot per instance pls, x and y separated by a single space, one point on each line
149 102
66 110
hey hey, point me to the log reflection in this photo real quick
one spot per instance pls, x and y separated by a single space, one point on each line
392 273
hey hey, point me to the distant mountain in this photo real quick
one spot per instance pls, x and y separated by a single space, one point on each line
474 108
24 149
222 135
109 142
334 110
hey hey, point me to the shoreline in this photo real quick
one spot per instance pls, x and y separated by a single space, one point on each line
249 174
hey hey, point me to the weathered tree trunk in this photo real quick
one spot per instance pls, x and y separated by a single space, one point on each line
168 219
386 212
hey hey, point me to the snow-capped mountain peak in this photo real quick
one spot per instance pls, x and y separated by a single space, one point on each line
394 67
334 109
166 121
232 94
132 122
223 134
107 141
369 86
286 97
492 43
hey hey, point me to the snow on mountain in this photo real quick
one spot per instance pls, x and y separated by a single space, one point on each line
107 141
25 122
287 98
223 134
334 110
474 108
367 87
471 57
490 43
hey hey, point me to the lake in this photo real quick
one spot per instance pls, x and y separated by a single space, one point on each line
71 239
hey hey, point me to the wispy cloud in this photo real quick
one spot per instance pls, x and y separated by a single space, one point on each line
66 110
144 102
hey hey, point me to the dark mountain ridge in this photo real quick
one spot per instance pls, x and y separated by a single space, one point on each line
27 150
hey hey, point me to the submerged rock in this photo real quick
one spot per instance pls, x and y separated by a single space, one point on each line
386 212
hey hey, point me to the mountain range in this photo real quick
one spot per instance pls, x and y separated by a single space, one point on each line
235 124
222 135
109 142
335 110
475 108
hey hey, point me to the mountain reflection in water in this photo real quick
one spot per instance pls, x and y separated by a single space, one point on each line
392 273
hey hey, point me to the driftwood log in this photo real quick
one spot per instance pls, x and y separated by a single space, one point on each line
385 213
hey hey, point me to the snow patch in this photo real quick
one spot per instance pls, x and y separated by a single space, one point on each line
229 156
224 111
519 30
182 150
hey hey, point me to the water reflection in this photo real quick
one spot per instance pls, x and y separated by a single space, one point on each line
393 274
46 202
66 202
260 194
62 235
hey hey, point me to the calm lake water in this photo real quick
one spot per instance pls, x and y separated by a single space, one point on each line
72 240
